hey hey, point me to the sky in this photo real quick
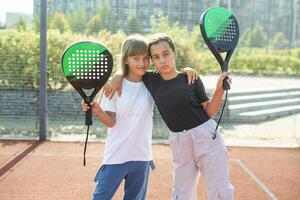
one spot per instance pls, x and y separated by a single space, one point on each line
23 6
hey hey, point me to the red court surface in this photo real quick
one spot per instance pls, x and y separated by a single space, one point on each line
31 170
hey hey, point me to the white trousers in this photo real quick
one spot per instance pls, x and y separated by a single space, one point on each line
194 152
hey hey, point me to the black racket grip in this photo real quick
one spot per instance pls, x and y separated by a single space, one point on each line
88 115
226 85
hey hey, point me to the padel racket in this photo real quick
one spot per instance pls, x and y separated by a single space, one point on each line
220 32
87 65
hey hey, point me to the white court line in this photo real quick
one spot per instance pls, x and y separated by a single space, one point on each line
34 154
258 182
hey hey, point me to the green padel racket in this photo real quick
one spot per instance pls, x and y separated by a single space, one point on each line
87 65
220 31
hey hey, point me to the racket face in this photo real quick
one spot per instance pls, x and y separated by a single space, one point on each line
219 28
87 64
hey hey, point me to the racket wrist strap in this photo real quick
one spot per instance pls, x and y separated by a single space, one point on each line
85 144
219 121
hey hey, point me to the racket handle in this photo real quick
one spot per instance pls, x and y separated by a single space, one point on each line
226 85
88 115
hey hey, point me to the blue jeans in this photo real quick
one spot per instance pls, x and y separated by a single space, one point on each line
109 177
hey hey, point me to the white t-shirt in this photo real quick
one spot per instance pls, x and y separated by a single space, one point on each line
130 138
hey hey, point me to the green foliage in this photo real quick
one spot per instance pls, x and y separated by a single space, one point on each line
104 13
265 64
21 24
77 19
196 38
19 54
279 41
296 53
103 20
93 25
245 38
255 37
59 21
133 24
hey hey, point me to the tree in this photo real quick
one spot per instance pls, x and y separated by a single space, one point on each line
60 22
21 24
159 23
77 20
255 37
258 36
245 38
104 13
279 41
100 21
93 25
133 24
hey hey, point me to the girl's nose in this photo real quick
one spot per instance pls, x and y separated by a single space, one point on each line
141 62
161 59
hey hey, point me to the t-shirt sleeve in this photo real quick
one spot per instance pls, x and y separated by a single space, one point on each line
108 104
149 79
200 91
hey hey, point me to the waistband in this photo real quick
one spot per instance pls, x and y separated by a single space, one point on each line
209 124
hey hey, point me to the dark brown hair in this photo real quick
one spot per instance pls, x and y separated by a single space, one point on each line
157 38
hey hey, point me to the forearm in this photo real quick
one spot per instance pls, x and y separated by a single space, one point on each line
107 119
213 106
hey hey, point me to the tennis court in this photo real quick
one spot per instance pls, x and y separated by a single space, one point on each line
54 170
42 125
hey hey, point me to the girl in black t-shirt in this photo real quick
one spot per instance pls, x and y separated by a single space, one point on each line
193 148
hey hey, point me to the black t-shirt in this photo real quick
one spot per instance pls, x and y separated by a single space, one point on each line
178 103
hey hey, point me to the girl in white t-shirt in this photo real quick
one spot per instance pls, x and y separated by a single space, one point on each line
128 153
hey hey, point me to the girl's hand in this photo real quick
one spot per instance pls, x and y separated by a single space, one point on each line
191 73
84 106
115 84
221 78
94 106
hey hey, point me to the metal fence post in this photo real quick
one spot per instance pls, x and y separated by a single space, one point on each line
43 72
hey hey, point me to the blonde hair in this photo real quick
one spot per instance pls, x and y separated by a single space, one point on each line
133 45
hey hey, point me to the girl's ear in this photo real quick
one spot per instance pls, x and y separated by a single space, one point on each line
175 54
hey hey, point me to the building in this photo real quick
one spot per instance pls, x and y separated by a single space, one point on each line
12 18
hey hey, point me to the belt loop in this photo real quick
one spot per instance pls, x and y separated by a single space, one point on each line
152 165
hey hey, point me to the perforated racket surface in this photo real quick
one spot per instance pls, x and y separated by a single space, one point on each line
220 31
87 65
